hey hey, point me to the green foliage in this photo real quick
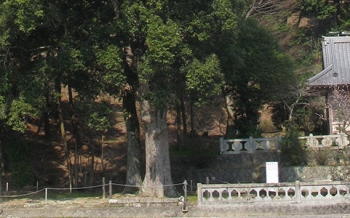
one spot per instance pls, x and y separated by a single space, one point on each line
319 7
96 115
22 15
334 15
16 153
204 80
17 113
2 108
293 153
261 63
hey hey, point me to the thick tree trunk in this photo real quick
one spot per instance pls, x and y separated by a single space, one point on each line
133 173
157 182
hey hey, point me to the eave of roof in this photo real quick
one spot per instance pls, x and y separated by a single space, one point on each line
336 59
319 79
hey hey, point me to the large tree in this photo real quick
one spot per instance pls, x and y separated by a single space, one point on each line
169 52
261 70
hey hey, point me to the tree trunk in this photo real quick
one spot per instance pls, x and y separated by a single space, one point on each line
157 182
178 127
46 116
184 121
133 173
57 100
63 136
193 131
2 171
75 134
92 166
102 155
230 118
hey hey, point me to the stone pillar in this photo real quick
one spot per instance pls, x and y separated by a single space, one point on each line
297 191
199 194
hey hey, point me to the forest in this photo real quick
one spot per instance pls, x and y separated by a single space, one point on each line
154 56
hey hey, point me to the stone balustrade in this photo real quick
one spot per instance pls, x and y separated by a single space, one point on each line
236 146
251 145
210 194
339 141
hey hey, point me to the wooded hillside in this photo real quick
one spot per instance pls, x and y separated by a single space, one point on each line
160 60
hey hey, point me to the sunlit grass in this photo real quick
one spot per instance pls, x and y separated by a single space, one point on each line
192 198
73 195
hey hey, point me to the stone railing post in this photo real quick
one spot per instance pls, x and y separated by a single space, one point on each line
278 144
251 145
343 140
222 149
199 193
297 191
312 141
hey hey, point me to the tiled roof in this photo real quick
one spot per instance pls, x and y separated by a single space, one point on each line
336 60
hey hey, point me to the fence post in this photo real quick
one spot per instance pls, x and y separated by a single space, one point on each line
70 186
110 189
7 186
297 191
184 207
37 186
199 193
103 188
45 194
207 182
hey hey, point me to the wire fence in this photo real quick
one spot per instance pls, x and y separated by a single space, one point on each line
104 187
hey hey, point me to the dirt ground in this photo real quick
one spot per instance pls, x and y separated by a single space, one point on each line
89 208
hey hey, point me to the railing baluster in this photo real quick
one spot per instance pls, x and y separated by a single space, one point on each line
251 144
297 192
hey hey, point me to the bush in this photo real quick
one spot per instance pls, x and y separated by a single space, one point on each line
321 157
17 161
292 151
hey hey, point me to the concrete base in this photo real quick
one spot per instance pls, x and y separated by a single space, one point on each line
105 209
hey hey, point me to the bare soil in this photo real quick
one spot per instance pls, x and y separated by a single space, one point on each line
50 170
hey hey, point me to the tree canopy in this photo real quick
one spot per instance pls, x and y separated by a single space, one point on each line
155 54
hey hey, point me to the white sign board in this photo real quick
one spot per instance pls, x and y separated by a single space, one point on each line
272 172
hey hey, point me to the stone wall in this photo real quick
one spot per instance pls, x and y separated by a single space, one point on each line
250 168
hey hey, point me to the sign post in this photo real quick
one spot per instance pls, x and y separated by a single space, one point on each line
272 172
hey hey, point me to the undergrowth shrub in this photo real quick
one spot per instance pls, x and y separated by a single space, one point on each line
321 156
201 151
17 161
292 151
